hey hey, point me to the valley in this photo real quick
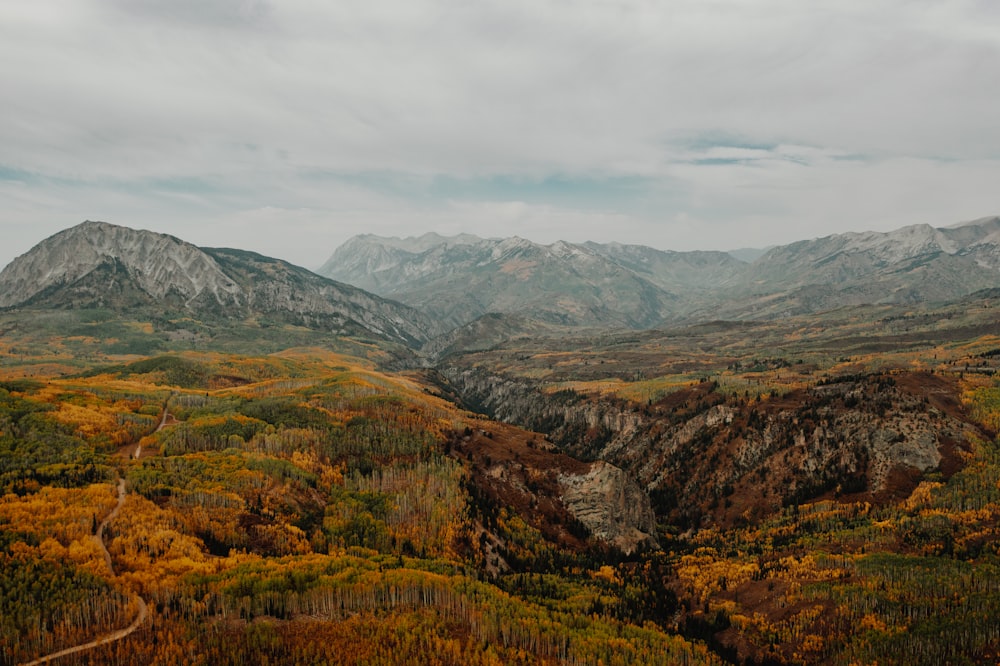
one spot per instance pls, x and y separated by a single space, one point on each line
522 459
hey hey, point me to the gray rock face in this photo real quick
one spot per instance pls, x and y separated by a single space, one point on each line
612 506
158 263
913 443
96 264
913 264
858 435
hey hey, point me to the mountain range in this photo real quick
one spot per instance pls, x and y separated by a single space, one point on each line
913 264
100 265
417 289
459 279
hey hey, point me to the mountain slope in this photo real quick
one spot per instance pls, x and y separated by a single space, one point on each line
95 264
842 257
911 264
368 261
675 272
459 279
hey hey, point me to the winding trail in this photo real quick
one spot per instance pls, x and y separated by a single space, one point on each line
140 617
98 537
166 419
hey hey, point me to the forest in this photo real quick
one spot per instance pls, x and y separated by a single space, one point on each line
306 506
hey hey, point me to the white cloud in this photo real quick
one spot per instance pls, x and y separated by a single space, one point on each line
834 115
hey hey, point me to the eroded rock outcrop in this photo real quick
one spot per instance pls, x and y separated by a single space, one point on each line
573 503
612 506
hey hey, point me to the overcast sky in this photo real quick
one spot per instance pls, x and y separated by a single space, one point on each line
287 127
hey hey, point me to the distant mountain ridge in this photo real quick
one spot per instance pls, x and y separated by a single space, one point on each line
460 278
913 264
676 272
448 283
874 250
96 264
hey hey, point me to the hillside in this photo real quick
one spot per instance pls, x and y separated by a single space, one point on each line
916 264
99 265
821 481
819 504
307 496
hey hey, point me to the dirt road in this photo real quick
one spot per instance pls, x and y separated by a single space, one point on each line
143 610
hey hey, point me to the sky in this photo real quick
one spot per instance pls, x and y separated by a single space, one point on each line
288 127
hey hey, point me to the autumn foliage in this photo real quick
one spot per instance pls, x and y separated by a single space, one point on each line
302 508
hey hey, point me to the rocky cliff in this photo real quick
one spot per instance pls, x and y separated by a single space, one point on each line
705 457
611 505
568 500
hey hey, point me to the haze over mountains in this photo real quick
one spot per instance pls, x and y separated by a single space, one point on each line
592 284
458 280
444 283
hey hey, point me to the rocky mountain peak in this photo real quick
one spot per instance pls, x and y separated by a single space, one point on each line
158 263
510 246
570 251
900 244
96 264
